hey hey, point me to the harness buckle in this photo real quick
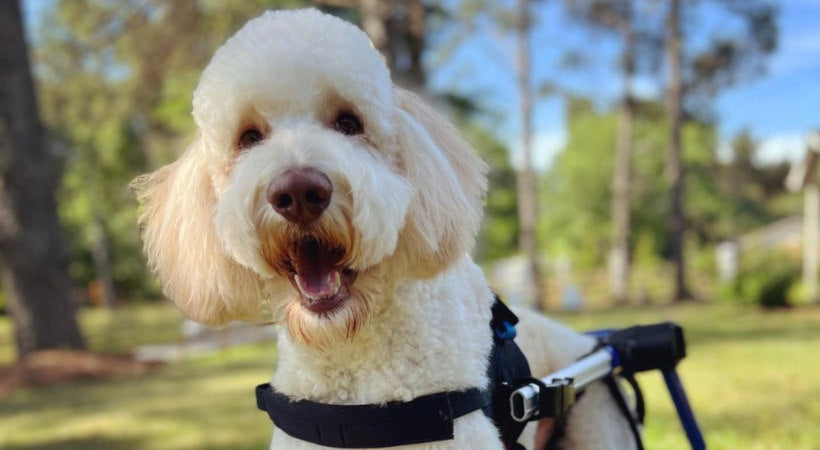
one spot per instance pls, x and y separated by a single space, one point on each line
535 399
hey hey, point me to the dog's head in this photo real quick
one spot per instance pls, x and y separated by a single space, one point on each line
313 185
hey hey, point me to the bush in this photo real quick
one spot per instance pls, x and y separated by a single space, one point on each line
766 278
774 292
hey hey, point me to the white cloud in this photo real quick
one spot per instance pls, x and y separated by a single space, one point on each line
783 147
546 144
647 86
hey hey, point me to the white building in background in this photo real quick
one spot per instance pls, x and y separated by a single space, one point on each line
798 233
805 176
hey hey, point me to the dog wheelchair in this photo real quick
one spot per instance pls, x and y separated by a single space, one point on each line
621 353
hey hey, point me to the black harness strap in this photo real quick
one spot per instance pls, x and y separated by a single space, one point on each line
615 391
425 419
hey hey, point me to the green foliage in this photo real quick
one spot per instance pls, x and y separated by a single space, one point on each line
498 236
774 293
577 190
722 199
766 278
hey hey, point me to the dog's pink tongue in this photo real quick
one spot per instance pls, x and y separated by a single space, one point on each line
316 273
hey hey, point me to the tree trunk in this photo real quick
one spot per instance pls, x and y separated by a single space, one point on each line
376 16
397 30
621 205
525 181
416 16
674 168
34 272
101 257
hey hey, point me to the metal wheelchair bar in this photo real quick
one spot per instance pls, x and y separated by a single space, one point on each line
524 400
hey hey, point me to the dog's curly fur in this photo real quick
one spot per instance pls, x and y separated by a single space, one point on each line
405 309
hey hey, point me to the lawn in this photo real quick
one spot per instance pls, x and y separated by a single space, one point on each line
752 377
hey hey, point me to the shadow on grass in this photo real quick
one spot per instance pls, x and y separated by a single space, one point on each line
710 322
805 333
88 443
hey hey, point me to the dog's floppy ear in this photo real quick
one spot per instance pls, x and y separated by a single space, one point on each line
183 249
450 182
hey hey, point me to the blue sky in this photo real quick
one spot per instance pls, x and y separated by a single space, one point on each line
780 108
784 106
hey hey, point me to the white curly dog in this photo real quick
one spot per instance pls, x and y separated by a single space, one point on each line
345 207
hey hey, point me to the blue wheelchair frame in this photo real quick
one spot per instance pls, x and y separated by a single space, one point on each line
626 351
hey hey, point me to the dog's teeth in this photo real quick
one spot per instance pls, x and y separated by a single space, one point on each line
337 282
326 288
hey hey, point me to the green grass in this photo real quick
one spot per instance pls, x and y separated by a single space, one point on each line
752 378
113 331
197 404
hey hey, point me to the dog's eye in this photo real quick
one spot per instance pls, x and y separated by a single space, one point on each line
348 124
249 138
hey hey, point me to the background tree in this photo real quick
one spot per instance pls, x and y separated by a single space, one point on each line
579 185
498 236
525 181
674 165
398 30
618 16
34 270
692 83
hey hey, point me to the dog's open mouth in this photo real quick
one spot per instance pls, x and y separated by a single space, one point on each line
323 284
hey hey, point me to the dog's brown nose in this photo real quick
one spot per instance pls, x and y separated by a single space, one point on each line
300 195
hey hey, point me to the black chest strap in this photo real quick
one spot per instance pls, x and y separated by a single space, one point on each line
424 419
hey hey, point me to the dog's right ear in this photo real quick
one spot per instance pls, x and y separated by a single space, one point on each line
183 249
450 183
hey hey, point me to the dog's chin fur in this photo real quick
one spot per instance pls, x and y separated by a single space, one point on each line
324 330
410 310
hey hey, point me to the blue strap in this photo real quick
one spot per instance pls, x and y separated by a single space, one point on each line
503 321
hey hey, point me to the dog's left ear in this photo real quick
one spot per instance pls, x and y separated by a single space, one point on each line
450 182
